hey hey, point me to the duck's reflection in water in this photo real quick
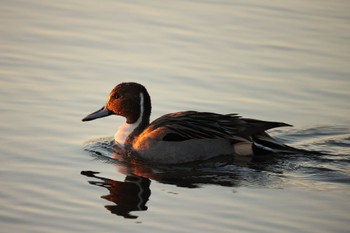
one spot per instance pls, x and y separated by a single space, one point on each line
129 195
133 193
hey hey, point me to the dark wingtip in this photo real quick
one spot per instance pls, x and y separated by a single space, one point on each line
285 124
278 124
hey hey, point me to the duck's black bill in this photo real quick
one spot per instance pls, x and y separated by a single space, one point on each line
103 112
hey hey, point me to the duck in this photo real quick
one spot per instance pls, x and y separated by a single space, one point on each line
186 136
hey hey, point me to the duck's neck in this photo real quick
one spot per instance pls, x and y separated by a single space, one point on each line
131 129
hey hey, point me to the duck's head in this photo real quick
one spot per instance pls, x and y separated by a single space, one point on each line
130 100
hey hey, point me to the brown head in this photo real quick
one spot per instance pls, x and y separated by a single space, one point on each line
129 100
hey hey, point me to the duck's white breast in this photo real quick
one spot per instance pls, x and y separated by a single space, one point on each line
123 132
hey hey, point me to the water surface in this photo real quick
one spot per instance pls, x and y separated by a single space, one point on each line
285 61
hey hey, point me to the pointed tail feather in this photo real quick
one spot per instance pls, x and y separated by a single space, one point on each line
263 143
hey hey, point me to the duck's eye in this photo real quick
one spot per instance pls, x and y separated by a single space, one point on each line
116 96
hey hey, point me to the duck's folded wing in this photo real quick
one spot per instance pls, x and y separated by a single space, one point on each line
196 125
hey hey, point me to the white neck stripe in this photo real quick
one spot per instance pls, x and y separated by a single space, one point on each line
126 129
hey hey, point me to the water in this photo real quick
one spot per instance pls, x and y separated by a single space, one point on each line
285 61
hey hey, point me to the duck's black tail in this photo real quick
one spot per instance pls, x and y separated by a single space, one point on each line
263 143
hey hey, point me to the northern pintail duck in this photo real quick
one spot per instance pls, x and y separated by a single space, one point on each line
183 136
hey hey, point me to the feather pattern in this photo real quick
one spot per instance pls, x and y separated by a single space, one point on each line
198 125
